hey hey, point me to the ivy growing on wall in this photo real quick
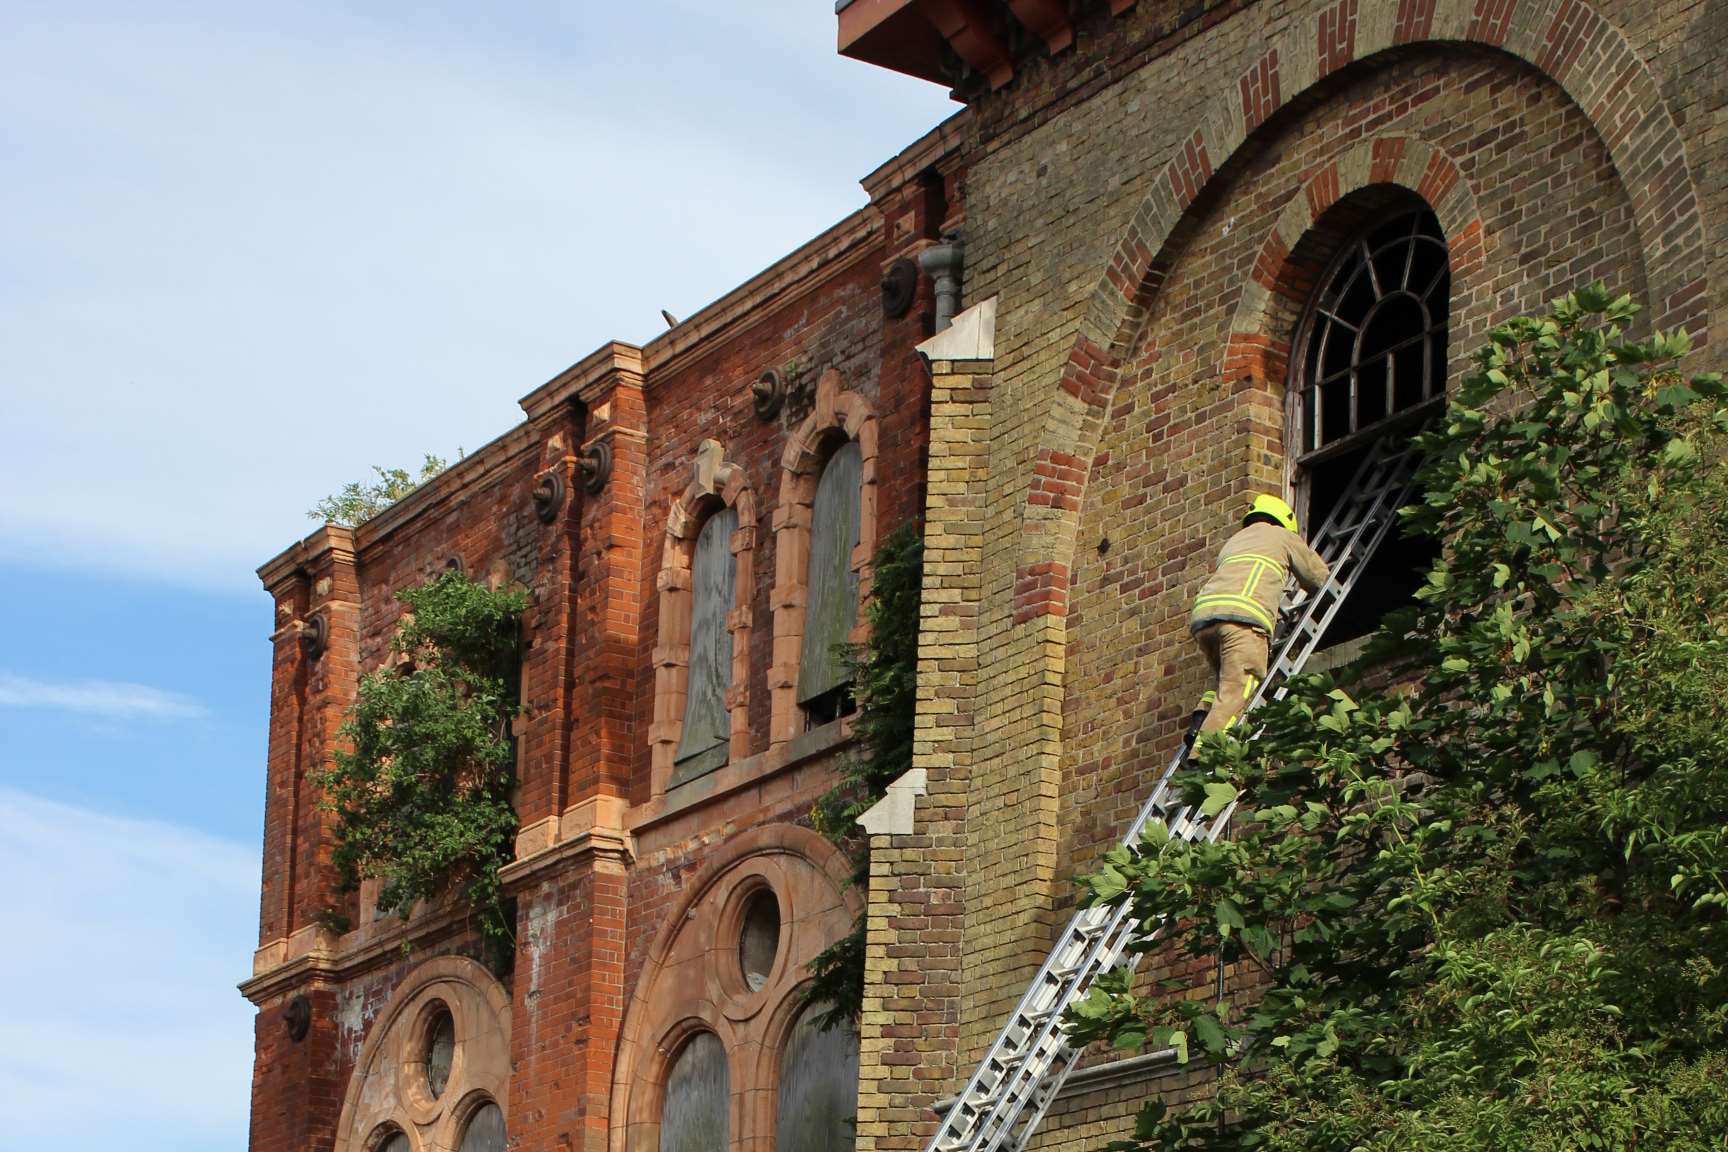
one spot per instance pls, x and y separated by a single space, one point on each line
421 788
885 682
1483 908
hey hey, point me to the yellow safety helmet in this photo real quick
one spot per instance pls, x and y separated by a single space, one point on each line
1274 507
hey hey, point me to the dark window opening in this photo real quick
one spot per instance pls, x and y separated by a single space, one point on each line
829 707
1371 364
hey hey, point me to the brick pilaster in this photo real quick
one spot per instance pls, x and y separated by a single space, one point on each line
912 998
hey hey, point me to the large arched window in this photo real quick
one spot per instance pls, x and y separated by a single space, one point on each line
1374 344
818 1087
824 680
1370 362
702 745
694 1116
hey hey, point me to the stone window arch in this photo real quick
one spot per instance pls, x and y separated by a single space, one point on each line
402 1099
817 1091
710 534
842 423
483 1127
701 978
696 1103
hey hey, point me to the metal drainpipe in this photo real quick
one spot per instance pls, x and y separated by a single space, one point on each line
943 264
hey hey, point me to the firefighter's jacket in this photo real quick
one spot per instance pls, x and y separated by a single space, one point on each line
1249 581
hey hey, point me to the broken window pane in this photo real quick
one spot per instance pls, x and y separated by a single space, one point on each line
713 578
698 1091
818 1087
832 605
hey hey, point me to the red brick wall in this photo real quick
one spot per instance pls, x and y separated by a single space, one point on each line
585 921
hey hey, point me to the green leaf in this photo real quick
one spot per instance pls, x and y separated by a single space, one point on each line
1228 916
1219 795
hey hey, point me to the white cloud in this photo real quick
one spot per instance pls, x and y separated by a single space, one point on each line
124 940
254 250
106 699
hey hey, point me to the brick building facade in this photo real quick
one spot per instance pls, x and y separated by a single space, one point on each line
1149 196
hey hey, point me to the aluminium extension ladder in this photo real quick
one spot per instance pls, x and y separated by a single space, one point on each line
1025 1068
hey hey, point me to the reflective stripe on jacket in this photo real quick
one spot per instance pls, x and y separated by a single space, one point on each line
1248 583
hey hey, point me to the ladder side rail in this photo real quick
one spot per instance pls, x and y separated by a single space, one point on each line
1069 1059
1377 517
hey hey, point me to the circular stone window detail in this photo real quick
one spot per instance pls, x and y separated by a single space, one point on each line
440 1049
759 938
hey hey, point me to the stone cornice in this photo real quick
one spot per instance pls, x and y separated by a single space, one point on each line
472 469
786 280
334 541
927 151
327 961
584 378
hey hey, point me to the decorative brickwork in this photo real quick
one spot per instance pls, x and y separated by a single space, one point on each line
1150 243
838 412
391 1086
693 979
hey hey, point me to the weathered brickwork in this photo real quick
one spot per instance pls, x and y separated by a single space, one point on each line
1148 196
607 850
1149 210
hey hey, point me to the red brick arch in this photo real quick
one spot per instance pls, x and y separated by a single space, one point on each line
1567 40
1258 347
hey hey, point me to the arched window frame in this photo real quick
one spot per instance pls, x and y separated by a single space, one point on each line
1352 257
715 483
691 978
386 1089
839 414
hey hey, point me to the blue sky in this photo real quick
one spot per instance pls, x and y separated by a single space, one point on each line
247 251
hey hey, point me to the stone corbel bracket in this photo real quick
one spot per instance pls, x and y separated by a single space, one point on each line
893 814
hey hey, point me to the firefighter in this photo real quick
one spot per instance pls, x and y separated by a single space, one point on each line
1236 611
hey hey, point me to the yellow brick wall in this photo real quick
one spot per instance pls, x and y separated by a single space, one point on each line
1120 232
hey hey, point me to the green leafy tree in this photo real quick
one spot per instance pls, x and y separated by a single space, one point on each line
360 500
1483 908
885 681
421 791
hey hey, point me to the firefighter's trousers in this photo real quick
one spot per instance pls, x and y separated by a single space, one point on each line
1237 654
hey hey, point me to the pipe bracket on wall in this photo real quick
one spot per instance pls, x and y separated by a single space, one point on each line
314 635
899 288
548 497
768 394
595 464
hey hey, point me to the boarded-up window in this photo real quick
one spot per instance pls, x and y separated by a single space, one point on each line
698 1094
818 1087
485 1131
832 607
713 581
